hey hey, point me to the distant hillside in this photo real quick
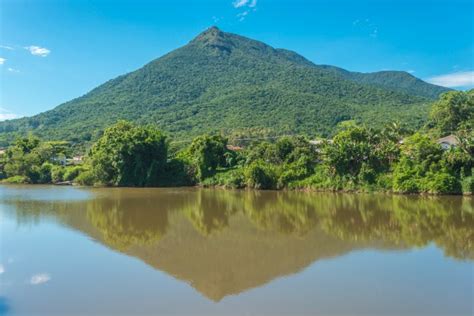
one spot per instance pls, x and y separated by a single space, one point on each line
400 81
222 82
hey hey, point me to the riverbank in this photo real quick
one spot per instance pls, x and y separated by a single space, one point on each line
227 188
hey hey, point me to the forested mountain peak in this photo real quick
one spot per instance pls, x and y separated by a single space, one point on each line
215 39
211 33
226 83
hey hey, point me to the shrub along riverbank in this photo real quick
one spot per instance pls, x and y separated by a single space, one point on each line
356 159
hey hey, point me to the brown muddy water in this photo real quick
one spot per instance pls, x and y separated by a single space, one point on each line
78 251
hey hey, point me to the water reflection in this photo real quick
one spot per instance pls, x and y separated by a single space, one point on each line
225 242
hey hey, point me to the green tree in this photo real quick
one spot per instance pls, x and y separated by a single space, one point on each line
259 175
452 110
32 159
129 155
360 153
422 169
207 153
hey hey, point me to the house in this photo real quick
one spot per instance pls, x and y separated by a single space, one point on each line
60 159
234 148
448 142
318 142
76 160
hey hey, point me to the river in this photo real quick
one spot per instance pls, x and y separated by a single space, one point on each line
189 251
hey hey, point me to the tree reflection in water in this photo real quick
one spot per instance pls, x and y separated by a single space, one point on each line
224 242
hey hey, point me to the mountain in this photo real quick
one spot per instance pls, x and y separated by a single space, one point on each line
222 82
400 81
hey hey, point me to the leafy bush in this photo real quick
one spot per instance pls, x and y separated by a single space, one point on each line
467 185
232 178
418 166
178 172
295 171
442 183
72 172
260 176
86 178
207 153
57 174
44 173
16 180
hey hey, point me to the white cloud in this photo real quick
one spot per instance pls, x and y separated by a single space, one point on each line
40 278
242 15
6 47
2 60
240 3
38 51
10 69
246 5
2 269
452 80
7 115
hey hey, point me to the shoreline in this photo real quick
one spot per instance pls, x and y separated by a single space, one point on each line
217 187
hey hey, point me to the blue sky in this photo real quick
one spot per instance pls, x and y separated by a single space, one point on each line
54 50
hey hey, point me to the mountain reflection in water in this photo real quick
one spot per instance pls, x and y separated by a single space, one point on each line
226 242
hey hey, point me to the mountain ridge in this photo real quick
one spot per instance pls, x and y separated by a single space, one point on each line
227 83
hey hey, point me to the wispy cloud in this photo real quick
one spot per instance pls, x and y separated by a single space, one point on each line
40 278
6 47
244 3
10 69
7 114
2 269
38 51
247 5
239 3
242 15
452 80
2 60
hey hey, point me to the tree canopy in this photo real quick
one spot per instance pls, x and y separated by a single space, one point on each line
128 155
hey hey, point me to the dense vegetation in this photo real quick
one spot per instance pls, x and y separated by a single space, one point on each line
225 83
358 158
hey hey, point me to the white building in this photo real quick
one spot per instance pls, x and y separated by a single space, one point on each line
448 142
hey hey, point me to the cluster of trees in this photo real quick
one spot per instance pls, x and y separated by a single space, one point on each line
358 158
30 160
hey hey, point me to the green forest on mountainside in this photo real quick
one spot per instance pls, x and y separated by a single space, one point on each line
358 158
226 83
